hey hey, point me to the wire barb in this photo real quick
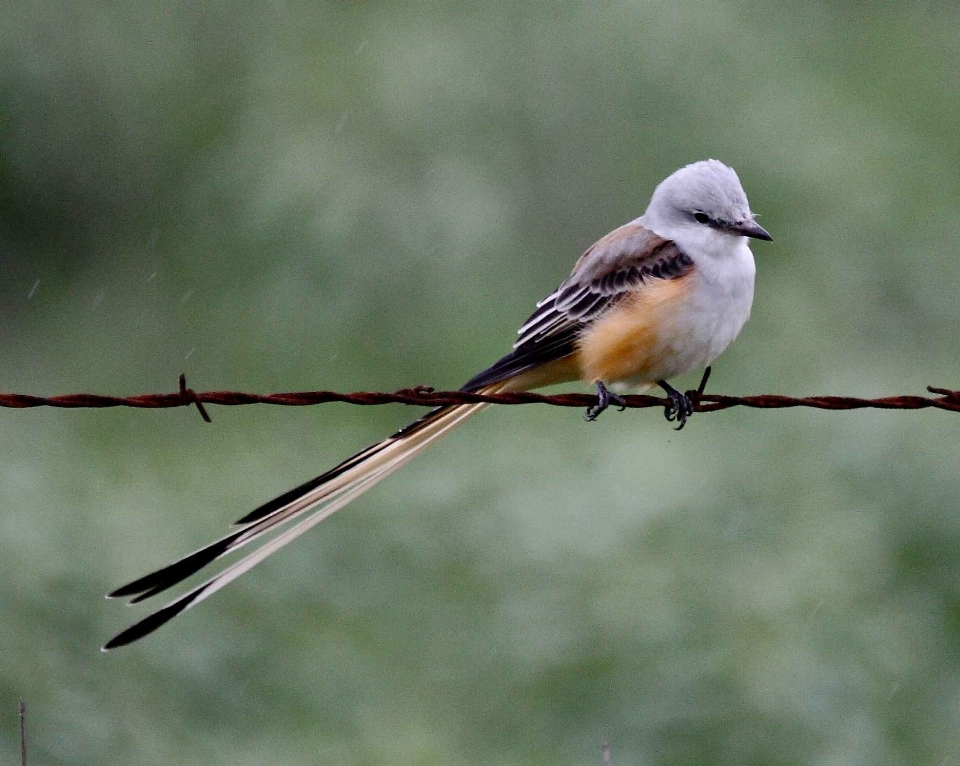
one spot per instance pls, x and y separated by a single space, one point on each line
425 396
189 396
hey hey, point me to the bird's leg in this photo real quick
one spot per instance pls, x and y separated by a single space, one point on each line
680 407
605 399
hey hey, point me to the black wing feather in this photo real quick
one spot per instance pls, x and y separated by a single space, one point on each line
552 330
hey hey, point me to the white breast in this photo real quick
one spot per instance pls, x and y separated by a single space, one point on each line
715 309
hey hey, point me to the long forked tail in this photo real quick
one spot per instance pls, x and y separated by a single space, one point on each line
297 510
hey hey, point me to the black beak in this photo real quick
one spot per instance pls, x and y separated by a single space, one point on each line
750 229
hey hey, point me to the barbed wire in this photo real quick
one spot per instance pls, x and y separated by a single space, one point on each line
424 396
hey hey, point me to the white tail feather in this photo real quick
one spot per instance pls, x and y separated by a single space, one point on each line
350 492
317 504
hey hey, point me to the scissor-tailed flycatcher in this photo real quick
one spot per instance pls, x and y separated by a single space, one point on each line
660 296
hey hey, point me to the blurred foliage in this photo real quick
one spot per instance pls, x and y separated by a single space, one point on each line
276 196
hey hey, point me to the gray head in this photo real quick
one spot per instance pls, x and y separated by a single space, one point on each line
703 194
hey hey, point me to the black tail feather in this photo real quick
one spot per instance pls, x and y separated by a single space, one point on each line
174 573
152 621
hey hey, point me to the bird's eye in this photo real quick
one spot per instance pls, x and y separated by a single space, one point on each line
701 217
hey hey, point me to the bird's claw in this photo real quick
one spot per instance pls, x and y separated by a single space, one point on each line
680 407
604 399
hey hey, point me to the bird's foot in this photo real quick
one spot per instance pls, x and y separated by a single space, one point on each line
604 399
680 407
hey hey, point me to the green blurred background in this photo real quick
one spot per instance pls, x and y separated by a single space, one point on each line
304 195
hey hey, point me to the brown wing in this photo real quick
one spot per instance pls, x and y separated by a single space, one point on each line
615 266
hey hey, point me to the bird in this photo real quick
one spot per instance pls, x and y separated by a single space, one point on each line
660 296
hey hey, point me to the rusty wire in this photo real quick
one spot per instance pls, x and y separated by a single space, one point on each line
944 399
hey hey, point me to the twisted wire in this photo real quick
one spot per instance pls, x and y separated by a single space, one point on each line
942 399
